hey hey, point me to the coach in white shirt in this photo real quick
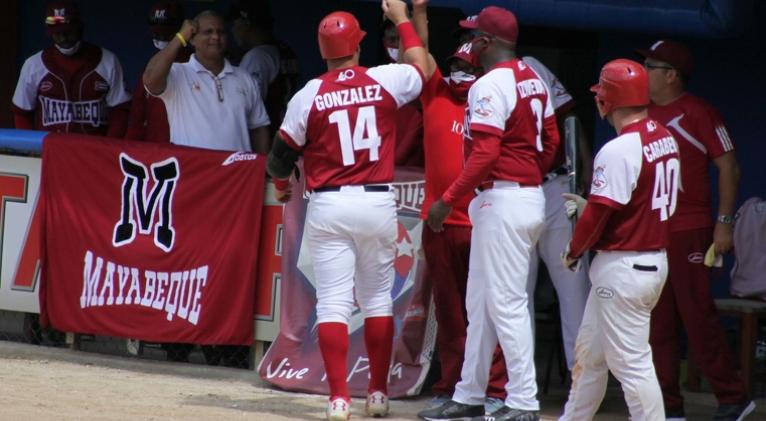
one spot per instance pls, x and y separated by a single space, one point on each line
211 104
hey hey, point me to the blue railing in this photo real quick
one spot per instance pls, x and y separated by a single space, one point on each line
22 141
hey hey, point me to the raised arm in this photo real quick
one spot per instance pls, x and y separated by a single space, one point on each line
414 52
420 22
158 68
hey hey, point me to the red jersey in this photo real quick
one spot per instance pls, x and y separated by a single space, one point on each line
701 136
511 103
71 93
443 145
638 175
344 122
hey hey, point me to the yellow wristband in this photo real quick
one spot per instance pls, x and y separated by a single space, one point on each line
181 38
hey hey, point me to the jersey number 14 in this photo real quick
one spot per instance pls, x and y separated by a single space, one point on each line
665 195
365 133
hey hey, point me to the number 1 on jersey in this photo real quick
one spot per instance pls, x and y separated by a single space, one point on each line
665 194
366 124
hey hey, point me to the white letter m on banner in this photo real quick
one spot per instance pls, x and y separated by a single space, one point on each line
136 205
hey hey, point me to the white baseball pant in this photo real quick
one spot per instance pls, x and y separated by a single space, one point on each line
507 220
352 236
571 287
615 336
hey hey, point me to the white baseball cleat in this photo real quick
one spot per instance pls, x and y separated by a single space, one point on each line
338 409
377 404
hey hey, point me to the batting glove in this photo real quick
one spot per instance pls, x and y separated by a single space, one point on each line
574 205
570 263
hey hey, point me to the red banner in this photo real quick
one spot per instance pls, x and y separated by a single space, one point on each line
149 241
293 362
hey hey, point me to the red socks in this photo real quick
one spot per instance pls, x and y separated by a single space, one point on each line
378 339
333 342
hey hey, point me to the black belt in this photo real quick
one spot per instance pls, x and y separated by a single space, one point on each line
369 188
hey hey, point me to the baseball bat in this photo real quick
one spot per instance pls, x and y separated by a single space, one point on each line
571 131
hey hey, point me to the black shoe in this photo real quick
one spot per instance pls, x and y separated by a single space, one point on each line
734 412
510 414
452 410
675 414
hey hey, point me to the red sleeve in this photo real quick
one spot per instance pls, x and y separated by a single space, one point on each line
484 155
23 119
589 228
118 120
712 131
137 118
551 140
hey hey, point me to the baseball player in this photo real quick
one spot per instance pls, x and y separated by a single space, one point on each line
686 300
510 124
446 252
571 287
148 116
343 122
626 221
71 86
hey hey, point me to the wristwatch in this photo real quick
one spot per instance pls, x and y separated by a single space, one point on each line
725 219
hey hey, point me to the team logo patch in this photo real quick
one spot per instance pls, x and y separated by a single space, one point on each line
482 107
599 179
604 292
46 86
345 75
100 86
140 211
238 157
651 126
696 257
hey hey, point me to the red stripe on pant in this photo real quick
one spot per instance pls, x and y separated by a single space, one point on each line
686 302
447 255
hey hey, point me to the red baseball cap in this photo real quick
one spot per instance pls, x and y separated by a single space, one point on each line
495 21
673 53
62 13
464 53
166 13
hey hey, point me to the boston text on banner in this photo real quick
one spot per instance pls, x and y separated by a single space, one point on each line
155 242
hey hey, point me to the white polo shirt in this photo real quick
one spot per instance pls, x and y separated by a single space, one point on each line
209 111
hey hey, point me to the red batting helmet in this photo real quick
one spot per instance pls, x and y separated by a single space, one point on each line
339 35
622 83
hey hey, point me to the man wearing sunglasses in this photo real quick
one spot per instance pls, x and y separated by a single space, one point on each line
686 299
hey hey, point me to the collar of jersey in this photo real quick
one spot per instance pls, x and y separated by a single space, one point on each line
197 66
